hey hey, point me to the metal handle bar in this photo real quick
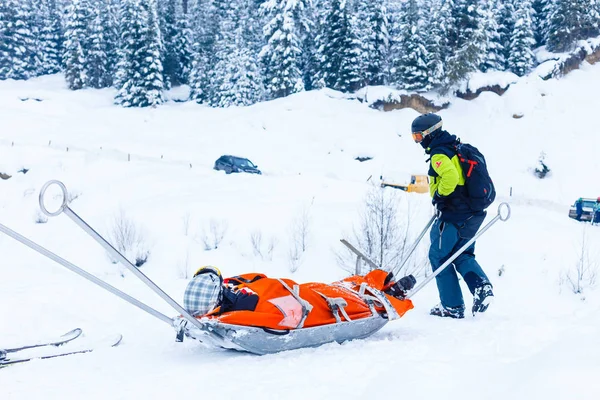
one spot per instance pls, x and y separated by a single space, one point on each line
64 208
499 216
359 254
414 246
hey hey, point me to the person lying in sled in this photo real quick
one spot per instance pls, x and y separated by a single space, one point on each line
254 299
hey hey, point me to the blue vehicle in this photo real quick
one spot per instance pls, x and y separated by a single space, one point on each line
231 164
584 209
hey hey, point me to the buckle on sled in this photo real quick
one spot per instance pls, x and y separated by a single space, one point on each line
306 306
336 305
391 312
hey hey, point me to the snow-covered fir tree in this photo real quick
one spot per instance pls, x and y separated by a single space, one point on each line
240 81
339 50
111 37
436 40
176 36
206 17
540 19
11 64
372 28
591 25
505 14
411 59
281 54
98 71
494 53
76 43
309 59
313 77
32 17
182 45
140 74
50 37
18 45
467 41
568 22
521 58
236 78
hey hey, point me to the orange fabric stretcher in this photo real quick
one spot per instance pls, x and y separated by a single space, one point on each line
283 304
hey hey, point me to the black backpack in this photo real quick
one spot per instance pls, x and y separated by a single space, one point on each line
478 184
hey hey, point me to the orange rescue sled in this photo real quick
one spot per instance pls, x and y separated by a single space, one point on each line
290 315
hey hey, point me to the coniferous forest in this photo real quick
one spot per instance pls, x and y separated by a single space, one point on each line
239 52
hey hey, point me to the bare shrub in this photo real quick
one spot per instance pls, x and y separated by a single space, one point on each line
260 249
256 240
541 169
295 259
72 196
584 272
128 239
382 236
40 218
501 270
298 237
184 265
214 235
186 223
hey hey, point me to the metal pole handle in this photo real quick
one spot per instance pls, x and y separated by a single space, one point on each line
499 216
359 255
64 208
398 269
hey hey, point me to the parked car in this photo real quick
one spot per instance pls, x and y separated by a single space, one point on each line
231 164
588 206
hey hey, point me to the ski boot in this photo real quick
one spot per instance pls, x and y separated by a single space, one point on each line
482 298
452 312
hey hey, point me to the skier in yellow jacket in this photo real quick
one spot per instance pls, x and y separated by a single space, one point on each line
457 222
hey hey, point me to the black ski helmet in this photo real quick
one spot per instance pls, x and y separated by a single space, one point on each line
424 125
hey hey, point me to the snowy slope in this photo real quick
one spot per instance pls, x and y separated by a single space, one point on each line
538 340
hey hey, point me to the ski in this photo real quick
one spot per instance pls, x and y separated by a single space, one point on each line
111 342
66 338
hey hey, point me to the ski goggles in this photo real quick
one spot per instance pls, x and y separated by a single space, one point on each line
419 136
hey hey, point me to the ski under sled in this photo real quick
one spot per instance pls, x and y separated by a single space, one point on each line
252 339
31 352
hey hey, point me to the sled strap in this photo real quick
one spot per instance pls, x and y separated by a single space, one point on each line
336 305
306 306
380 296
368 299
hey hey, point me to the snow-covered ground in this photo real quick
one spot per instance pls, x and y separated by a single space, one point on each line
154 167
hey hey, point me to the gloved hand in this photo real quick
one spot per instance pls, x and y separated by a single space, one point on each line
400 288
439 201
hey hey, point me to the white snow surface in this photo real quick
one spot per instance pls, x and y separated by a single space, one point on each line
538 340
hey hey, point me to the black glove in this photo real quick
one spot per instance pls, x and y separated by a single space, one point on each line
400 288
439 201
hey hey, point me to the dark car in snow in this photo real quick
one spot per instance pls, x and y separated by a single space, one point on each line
588 208
231 164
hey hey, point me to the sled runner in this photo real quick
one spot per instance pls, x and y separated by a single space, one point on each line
266 341
287 316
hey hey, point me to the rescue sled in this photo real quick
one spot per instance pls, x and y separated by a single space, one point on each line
290 316
310 315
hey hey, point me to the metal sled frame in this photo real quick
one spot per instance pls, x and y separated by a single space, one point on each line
267 341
